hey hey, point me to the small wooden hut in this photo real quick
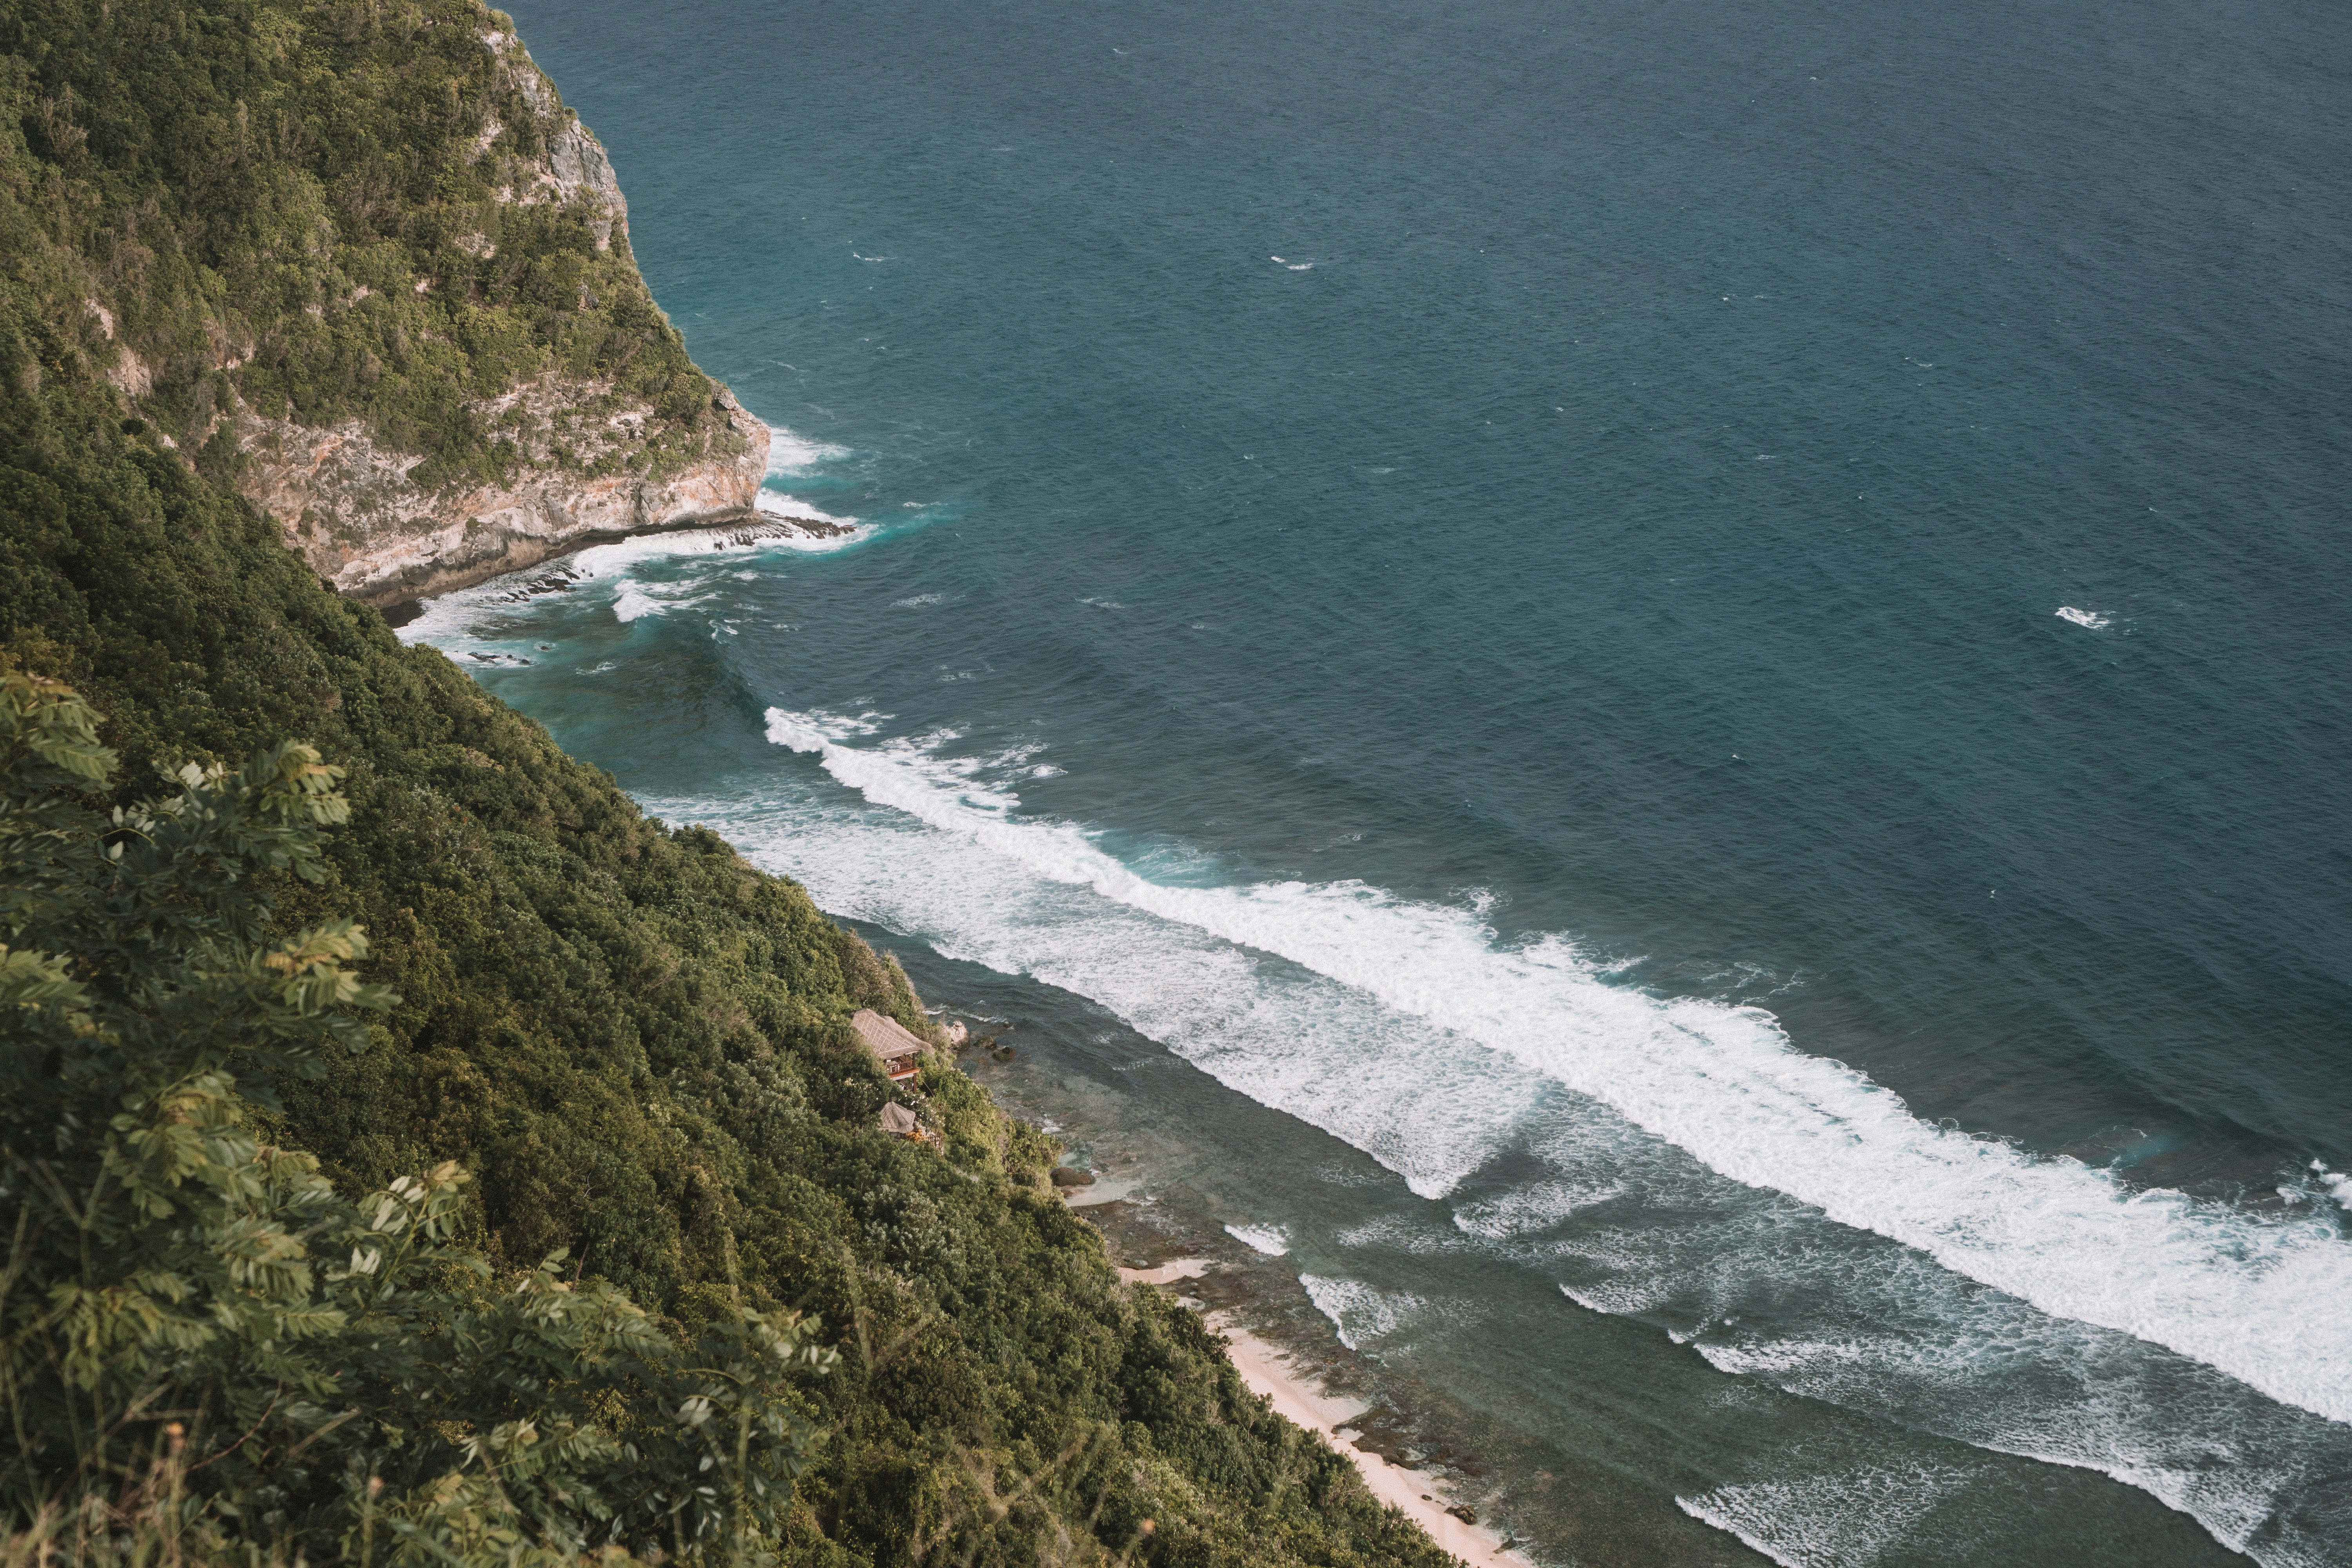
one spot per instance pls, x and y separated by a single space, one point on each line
900 1052
900 1122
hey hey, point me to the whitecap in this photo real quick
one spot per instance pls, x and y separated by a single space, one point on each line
790 508
1843 1521
1479 1026
637 600
1358 1311
793 453
2090 618
1526 1211
1270 1239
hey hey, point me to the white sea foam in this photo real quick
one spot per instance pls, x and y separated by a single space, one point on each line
1395 1233
635 600
1590 1301
1270 1239
2090 618
1428 1106
791 454
1358 1311
791 509
2124 1424
2253 1295
1846 1521
1524 1211
787 509
452 621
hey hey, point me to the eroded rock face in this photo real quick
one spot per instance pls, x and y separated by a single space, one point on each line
576 167
350 509
584 464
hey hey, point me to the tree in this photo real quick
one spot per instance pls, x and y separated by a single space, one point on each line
202 1342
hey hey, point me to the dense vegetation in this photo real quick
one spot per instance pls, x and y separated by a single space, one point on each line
170 1274
300 205
633 1045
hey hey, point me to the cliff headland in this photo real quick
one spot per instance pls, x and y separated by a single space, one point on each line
385 286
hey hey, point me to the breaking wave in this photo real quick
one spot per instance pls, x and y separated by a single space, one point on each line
2242 1292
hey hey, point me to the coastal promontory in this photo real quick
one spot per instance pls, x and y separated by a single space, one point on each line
369 267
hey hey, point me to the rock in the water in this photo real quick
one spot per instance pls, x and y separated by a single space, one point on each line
1071 1177
1464 1512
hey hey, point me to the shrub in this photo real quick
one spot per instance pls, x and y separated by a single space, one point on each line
202 1339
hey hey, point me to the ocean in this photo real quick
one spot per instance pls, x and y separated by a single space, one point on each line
1653 697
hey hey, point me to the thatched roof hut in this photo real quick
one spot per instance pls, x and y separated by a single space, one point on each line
900 1122
900 1053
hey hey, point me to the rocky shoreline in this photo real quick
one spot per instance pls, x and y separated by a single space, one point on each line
738 528
350 510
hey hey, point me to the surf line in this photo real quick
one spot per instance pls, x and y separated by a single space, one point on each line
1724 1084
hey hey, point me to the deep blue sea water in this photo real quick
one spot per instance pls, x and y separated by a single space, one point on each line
1459 608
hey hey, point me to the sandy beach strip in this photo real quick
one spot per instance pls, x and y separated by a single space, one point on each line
1265 1371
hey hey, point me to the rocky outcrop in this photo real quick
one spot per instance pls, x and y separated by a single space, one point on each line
351 509
575 168
578 460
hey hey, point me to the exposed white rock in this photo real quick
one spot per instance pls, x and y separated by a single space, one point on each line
584 471
356 514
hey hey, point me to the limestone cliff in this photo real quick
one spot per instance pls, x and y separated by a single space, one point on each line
578 465
377 274
349 505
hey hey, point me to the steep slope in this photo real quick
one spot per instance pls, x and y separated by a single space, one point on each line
362 260
639 1044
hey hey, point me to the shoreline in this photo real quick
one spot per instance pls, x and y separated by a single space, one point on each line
1265 1371
748 524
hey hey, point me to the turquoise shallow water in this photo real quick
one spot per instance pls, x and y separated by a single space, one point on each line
1482 589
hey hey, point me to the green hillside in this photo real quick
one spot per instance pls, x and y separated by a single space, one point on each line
299 206
635 1045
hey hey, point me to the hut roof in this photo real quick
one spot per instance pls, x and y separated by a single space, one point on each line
885 1037
897 1119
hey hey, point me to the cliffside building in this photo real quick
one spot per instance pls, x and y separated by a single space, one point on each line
900 1052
